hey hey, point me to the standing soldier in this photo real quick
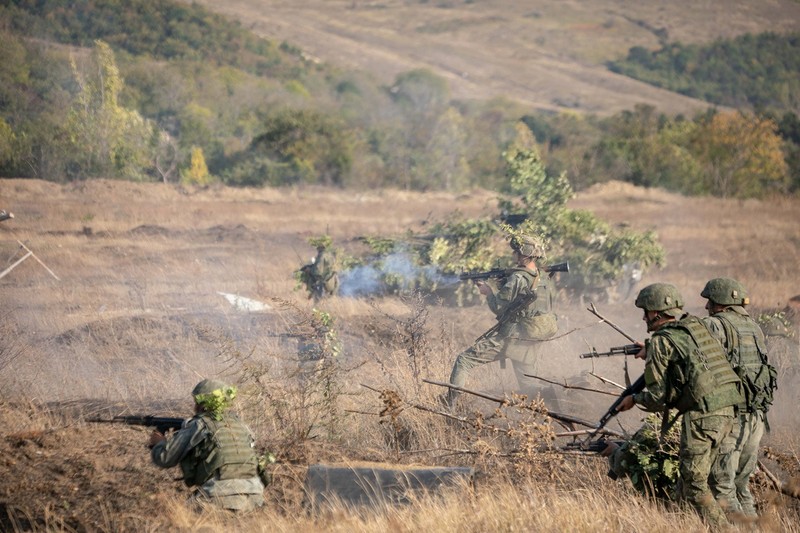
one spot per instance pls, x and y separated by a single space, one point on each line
523 305
686 369
320 276
744 343
215 451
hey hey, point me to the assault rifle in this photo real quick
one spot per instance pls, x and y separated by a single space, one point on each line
503 272
596 446
635 388
628 349
160 423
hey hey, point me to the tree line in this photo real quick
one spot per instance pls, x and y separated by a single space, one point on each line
755 71
153 90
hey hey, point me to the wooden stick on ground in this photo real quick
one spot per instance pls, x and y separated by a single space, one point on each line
779 485
17 262
502 400
607 381
566 386
39 260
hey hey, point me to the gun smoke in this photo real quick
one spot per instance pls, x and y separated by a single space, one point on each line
396 272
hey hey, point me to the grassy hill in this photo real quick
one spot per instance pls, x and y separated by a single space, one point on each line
547 55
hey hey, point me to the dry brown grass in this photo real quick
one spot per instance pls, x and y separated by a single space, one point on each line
136 320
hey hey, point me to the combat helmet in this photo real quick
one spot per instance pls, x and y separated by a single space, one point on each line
725 291
213 395
528 246
661 297
208 386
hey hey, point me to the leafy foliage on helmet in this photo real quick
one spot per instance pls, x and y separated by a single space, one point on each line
725 291
659 297
216 401
322 241
527 244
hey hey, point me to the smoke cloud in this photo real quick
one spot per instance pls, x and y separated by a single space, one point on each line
395 272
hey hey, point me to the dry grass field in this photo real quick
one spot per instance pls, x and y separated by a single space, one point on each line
547 55
137 318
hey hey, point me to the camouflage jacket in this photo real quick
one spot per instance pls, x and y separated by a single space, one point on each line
537 321
687 371
235 493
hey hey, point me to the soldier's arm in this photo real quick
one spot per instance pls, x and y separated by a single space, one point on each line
658 357
508 291
716 329
171 451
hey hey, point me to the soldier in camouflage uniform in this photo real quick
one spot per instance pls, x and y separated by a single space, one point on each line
745 346
320 275
515 337
215 451
686 369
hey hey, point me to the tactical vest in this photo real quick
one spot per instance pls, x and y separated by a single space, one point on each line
709 382
748 356
538 321
226 452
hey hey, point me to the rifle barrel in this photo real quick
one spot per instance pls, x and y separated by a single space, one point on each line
628 349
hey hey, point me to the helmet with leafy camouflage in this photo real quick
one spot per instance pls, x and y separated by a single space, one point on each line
213 395
725 291
323 242
528 246
661 297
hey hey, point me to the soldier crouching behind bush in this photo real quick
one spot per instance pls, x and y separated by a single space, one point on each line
215 451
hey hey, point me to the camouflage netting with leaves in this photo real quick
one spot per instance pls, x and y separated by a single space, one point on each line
652 463
534 203
217 401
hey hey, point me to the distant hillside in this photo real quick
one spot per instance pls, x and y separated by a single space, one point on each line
158 90
548 55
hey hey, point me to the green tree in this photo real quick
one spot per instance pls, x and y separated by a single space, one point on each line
7 142
197 172
446 152
597 253
301 146
107 139
741 155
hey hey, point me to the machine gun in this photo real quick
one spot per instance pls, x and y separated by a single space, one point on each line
628 349
161 424
503 272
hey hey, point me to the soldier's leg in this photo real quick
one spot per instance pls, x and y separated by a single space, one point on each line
748 460
723 472
524 359
701 439
482 352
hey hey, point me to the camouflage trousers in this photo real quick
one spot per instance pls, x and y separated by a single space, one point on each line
701 441
239 495
523 355
730 475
